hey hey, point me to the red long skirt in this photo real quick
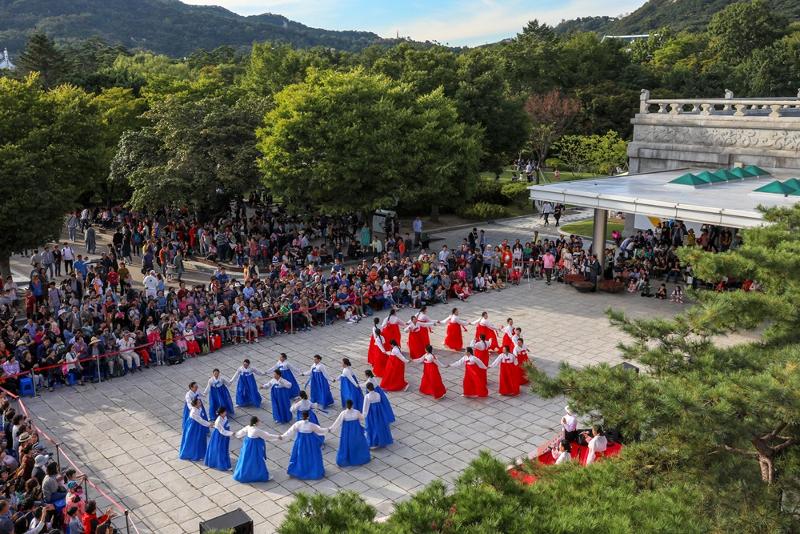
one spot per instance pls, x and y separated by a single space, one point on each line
432 382
425 334
390 332
394 375
453 339
376 357
416 343
491 336
522 358
507 343
509 379
482 355
475 381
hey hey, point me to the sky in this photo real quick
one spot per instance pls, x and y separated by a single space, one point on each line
452 22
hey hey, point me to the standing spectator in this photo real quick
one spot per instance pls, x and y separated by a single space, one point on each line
90 240
416 226
72 226
557 213
68 255
548 262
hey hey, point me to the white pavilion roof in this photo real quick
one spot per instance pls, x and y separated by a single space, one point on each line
733 204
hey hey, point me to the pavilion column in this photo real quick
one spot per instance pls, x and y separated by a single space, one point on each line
599 237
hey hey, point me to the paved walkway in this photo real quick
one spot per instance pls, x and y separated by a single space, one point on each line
126 432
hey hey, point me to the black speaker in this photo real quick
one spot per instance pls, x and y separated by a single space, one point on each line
628 367
237 520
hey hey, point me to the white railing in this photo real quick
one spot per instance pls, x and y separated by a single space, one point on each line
729 106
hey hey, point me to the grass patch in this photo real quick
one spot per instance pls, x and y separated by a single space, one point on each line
585 228
566 176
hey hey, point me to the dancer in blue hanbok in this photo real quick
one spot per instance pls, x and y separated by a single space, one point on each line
279 389
306 406
288 372
305 462
320 383
190 396
246 387
218 454
195 434
348 385
353 447
372 379
218 394
252 463
378 432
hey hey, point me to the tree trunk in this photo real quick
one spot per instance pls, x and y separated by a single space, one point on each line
5 264
435 213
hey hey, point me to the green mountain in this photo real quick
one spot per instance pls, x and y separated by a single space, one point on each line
165 26
692 15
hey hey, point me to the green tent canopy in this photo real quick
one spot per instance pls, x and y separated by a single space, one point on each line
689 179
726 175
795 183
741 173
756 171
710 178
777 188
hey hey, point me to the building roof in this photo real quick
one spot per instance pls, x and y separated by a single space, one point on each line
672 195
5 61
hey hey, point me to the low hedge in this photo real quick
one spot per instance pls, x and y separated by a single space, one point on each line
484 211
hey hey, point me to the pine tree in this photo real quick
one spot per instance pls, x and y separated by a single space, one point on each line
41 55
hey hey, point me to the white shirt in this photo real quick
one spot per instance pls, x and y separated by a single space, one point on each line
479 345
430 358
215 383
281 366
372 380
320 368
562 458
508 330
219 425
370 398
191 396
126 345
349 414
391 319
150 284
569 423
378 338
596 444
504 358
347 372
303 405
254 432
244 371
280 382
484 322
468 359
397 353
304 427
455 319
194 414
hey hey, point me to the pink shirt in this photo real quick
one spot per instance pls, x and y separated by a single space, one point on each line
548 261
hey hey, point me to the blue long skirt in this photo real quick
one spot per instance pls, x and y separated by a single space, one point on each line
193 444
217 453
313 418
252 463
320 390
354 393
186 419
387 408
353 448
306 460
378 432
220 397
294 391
247 392
281 404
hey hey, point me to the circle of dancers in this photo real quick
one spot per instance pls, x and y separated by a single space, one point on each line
365 420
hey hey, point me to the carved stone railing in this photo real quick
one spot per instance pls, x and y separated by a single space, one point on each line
721 107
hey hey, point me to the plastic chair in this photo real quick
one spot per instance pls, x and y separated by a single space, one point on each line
26 387
71 380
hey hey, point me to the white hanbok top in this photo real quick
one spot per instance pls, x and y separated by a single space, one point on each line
596 444
468 359
484 322
423 318
504 358
349 414
455 319
397 353
280 382
304 405
244 371
219 425
519 350
508 330
370 398
255 432
569 423
194 413
391 319
215 383
281 366
377 337
304 427
190 396
477 344
372 380
347 372
430 358
320 368
561 457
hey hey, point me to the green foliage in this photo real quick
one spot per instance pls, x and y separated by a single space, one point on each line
48 147
600 154
483 211
514 191
345 511
741 28
489 191
42 56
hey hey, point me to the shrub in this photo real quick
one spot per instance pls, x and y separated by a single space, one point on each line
484 211
489 191
514 191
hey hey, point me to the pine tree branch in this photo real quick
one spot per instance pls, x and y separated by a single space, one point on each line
740 451
785 444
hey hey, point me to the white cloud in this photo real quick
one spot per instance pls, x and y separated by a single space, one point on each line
481 21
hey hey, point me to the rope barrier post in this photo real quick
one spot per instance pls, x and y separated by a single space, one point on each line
58 456
127 523
99 373
33 381
291 322
324 306
86 488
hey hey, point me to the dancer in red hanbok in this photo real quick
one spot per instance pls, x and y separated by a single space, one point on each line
509 373
391 329
474 375
521 352
487 329
431 383
394 376
417 333
508 334
425 323
453 338
377 345
480 348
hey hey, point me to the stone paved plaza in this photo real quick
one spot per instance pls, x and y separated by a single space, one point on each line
126 432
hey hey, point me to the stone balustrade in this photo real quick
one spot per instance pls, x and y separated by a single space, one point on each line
721 107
